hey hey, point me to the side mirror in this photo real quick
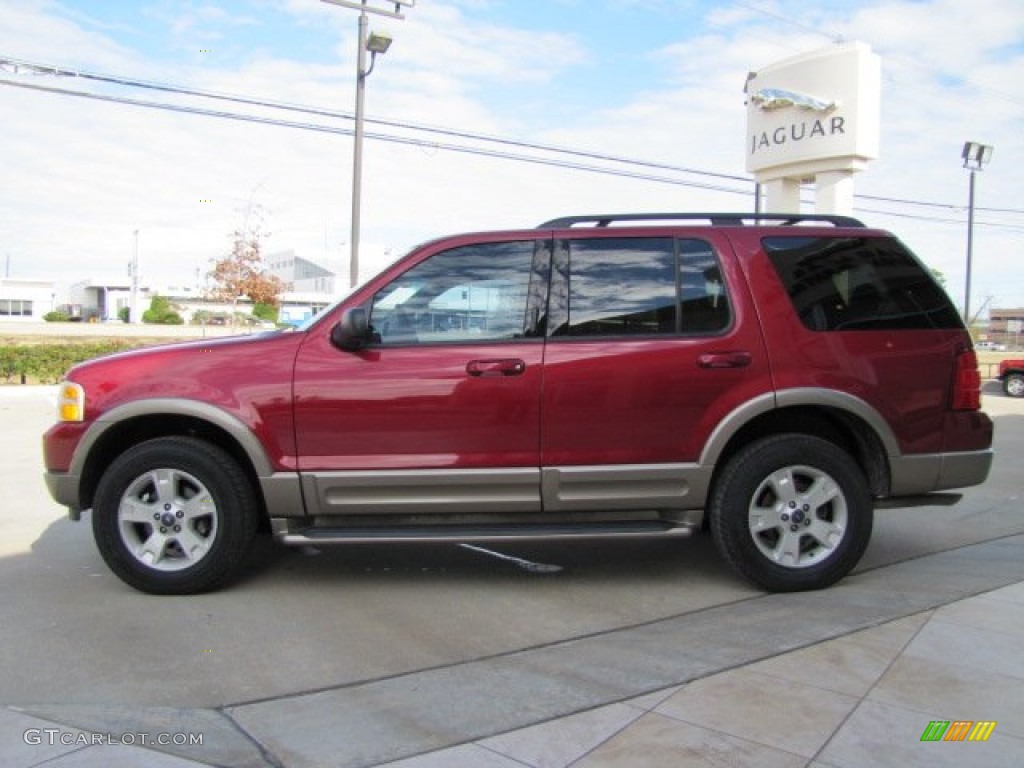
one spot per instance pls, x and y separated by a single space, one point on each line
352 332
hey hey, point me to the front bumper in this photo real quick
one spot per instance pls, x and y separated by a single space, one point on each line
63 487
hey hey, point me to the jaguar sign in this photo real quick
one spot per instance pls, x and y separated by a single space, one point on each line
813 116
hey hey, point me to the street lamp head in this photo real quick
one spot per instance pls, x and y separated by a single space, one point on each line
378 42
976 155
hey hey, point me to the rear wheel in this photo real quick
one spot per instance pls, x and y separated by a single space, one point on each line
174 515
792 512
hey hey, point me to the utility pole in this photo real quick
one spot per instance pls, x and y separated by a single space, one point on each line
375 44
135 317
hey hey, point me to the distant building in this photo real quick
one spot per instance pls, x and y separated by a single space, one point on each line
1005 326
300 275
309 287
25 300
100 298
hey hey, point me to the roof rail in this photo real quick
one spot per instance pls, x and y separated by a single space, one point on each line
716 219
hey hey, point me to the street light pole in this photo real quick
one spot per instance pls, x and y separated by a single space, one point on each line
357 152
134 311
970 250
974 156
375 44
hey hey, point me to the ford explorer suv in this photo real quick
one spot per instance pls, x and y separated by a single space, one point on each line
770 379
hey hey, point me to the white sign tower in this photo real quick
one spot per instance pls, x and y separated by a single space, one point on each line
814 118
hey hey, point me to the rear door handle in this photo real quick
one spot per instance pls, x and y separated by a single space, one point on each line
725 360
511 366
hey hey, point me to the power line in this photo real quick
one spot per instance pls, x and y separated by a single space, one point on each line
46 69
379 136
17 66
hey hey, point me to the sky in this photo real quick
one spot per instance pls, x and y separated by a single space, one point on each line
656 82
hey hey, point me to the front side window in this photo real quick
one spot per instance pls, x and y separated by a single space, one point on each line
637 286
472 293
858 284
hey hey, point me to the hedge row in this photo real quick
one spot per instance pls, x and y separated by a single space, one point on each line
47 363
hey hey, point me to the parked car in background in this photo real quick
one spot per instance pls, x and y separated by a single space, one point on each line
1011 374
990 346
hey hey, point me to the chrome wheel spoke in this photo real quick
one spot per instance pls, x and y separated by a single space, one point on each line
826 533
765 519
136 511
193 546
787 552
200 505
165 481
783 485
153 549
823 491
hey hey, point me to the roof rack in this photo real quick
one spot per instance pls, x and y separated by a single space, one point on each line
716 219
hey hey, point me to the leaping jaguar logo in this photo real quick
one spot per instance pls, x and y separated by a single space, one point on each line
770 99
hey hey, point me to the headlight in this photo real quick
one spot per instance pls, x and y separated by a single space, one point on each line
71 402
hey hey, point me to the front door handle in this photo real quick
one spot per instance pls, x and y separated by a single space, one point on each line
725 360
511 366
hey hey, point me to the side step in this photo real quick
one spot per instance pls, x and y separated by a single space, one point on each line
487 532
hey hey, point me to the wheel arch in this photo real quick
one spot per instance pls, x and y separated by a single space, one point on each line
840 418
142 420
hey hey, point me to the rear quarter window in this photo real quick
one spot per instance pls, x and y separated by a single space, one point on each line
859 284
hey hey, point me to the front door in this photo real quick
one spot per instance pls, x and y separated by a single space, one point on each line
442 411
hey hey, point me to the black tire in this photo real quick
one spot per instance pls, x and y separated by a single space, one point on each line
174 516
1013 385
791 513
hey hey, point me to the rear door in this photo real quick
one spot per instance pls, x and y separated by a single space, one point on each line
652 342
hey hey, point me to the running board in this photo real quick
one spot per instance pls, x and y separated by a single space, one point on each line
494 532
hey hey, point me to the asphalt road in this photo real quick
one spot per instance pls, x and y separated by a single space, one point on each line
302 621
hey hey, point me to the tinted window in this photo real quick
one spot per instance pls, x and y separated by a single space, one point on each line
704 307
474 293
637 286
857 284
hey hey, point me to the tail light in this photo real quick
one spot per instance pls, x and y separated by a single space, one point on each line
966 382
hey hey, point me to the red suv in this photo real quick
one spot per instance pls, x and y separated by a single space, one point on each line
622 375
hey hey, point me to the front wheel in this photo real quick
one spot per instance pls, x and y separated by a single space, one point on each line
174 515
792 512
1013 385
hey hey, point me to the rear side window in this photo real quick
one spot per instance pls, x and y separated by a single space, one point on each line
637 286
859 284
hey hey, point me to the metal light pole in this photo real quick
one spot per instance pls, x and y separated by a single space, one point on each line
974 156
134 316
374 44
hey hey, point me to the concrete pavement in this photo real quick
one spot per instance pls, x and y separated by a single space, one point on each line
859 697
928 629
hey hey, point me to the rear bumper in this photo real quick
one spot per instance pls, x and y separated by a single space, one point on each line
925 473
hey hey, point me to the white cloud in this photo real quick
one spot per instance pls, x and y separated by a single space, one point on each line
82 176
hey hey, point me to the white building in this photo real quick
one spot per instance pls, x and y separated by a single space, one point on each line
24 300
309 287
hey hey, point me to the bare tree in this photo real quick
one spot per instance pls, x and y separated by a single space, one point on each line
241 273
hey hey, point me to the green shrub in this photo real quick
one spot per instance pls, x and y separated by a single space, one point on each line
161 312
57 316
267 312
47 363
